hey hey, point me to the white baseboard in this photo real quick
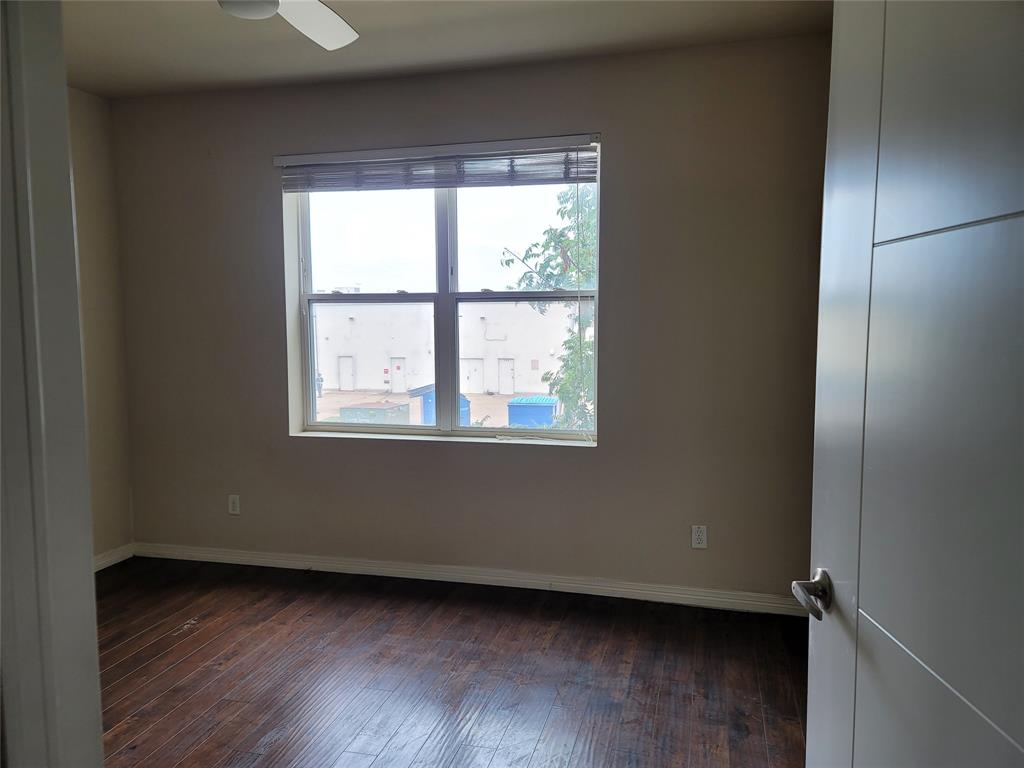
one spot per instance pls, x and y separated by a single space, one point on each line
662 593
111 556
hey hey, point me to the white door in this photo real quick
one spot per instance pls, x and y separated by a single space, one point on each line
471 375
398 375
506 376
346 373
846 241
919 424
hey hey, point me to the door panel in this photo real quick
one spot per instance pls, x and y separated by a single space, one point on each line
398 375
932 410
506 376
471 375
346 373
906 718
952 140
848 221
942 523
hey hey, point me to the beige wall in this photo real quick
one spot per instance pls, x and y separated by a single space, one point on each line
102 322
711 169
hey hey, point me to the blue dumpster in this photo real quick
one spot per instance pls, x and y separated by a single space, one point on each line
532 411
429 403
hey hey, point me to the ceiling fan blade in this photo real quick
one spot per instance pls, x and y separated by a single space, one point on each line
318 22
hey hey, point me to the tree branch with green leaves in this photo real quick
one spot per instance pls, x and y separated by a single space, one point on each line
566 259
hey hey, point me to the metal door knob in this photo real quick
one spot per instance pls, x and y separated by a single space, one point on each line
815 595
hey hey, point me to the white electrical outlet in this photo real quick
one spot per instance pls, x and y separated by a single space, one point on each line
234 504
699 537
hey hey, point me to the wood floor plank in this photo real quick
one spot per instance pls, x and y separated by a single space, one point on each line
149 622
782 716
149 605
354 760
644 676
144 731
306 647
526 648
579 661
237 760
673 706
323 749
405 744
157 583
709 731
451 731
117 576
434 664
201 651
344 661
485 663
747 743
472 757
534 703
596 740
239 602
164 636
397 708
179 746
214 666
307 715
541 683
601 732
538 677
216 750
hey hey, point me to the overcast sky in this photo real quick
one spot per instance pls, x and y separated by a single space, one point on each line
383 241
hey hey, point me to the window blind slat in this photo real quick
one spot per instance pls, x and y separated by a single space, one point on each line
563 166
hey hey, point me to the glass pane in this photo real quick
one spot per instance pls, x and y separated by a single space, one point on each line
527 238
372 242
374 364
527 364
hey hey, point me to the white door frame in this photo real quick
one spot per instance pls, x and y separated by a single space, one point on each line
51 699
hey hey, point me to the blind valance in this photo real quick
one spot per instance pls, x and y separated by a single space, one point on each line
508 167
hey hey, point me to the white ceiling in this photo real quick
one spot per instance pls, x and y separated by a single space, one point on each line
147 46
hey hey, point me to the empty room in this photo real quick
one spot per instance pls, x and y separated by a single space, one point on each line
513 384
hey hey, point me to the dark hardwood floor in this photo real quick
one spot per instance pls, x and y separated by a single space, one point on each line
232 666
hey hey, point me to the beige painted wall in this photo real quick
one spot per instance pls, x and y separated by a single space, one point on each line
712 176
102 320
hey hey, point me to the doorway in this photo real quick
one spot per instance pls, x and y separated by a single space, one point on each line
471 375
506 376
398 375
346 373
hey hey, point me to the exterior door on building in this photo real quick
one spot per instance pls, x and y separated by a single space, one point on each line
506 376
398 375
346 373
918 529
471 375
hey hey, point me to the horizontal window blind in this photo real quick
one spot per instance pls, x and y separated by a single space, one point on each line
508 168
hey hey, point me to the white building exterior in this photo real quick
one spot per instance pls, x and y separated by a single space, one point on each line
504 348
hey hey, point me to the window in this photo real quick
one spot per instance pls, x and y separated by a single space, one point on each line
447 290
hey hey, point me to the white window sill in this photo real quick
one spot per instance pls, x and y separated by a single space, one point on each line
419 437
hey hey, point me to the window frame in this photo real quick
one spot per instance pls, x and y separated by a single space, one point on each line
445 302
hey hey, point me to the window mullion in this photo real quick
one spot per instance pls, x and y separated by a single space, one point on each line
305 261
306 329
308 334
445 326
